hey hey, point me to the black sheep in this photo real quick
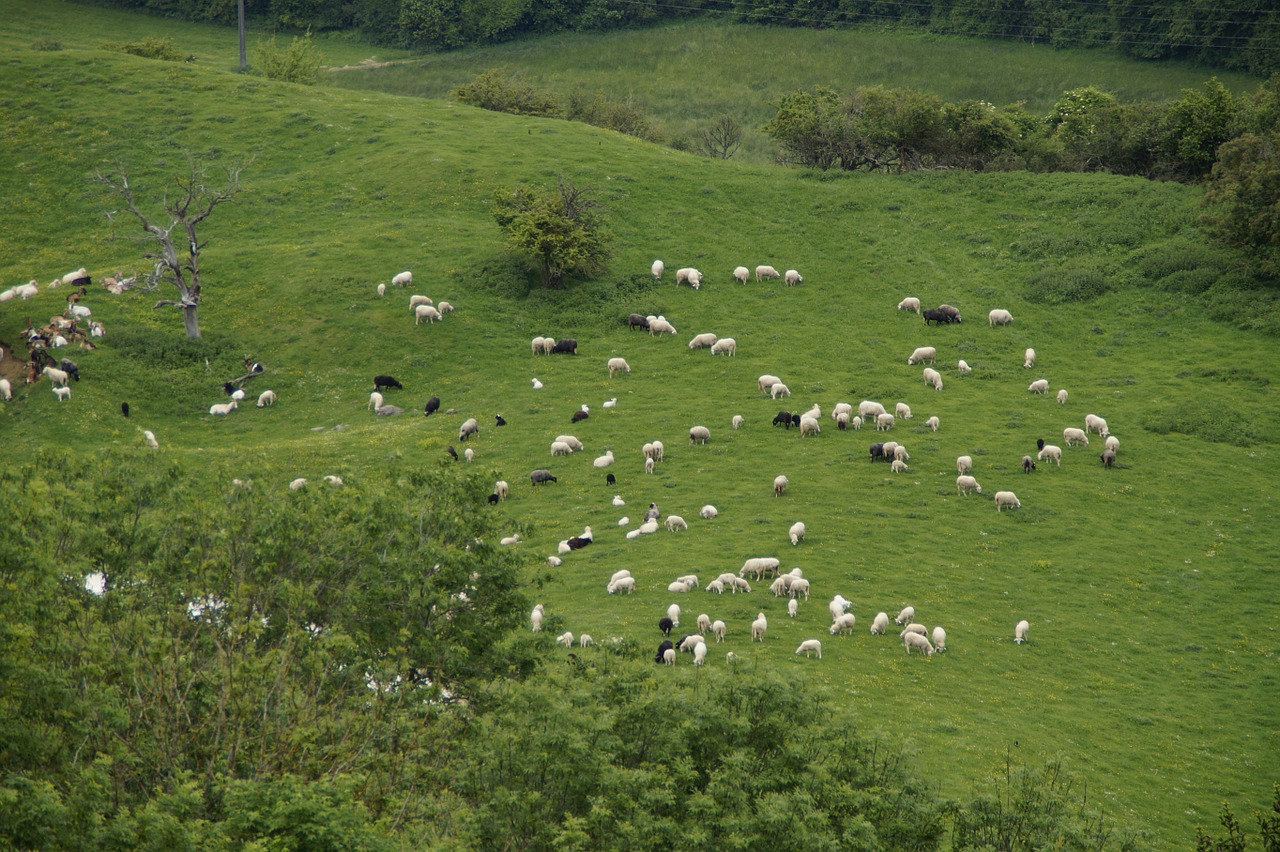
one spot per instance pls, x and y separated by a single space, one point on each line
1039 443
665 624
451 451
637 321
124 409
70 368
493 499
565 346
541 477
1108 458
500 420
432 406
877 452
1028 464
783 418
228 388
662 651
579 416
577 542
385 382
610 479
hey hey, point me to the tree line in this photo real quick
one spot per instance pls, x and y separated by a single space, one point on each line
1244 36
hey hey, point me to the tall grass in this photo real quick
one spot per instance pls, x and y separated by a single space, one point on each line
1150 588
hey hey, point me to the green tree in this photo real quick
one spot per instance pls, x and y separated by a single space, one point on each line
810 129
560 230
298 63
1241 206
1196 124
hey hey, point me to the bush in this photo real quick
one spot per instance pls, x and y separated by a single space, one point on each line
148 48
46 44
494 90
1071 282
298 63
623 115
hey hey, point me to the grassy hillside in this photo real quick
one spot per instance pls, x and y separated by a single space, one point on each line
1150 588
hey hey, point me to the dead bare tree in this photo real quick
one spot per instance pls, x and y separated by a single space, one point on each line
721 139
192 201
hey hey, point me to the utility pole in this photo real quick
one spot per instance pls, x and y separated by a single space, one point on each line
240 11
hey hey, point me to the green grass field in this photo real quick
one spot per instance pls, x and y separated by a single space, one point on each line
1150 588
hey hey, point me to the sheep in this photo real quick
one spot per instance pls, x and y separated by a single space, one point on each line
1112 443
967 484
554 561
793 606
792 278
669 656
380 382
1072 436
1038 386
738 420
267 397
618 365
535 618
939 639
609 403
702 341
1028 464
402 279
665 624
688 642
718 629
797 532
809 426
1094 423
781 586
657 269
759 567
766 272
537 345
1062 396
739 584
911 303
704 623
689 275
541 477
508 540
468 428
677 587
914 628
659 325
604 460
843 421
780 483
779 389
648 465
880 624
766 382
1052 453
699 653
652 513
585 640
298 484
57 377
725 346
223 408
884 422
810 645
933 423
741 274
918 641
537 385
1020 631
952 314
63 392
922 354
622 584
844 623
837 606
758 627
673 613
375 400
870 408
798 586
999 316
904 617
238 394
902 410
427 312
501 488
699 435
898 466
382 289
962 367
675 522
6 389
933 377
563 346
574 443
414 301
708 512
716 586
1108 457
619 574
1007 498
150 438
447 308
565 639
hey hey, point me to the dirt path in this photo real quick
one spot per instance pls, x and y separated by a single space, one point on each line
369 64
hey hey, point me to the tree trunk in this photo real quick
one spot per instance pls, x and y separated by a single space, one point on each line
191 322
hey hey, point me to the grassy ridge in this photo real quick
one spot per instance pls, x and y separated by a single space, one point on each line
1151 589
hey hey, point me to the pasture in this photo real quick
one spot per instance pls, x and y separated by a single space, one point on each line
1150 588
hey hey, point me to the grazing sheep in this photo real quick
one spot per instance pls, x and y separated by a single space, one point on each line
675 522
738 420
844 623
967 484
658 268
898 466
1007 498
1094 423
501 488
63 392
708 511
633 321
904 617
911 303
843 420
779 389
759 567
541 477
375 400
717 586
659 325
725 346
427 312
758 627
870 408
699 435
766 382
884 422
564 346
933 423
620 574
718 630
837 606
267 397
766 272
689 275
414 301
962 367
573 442
1038 386
402 279
1113 443
809 645
298 484
618 365
921 354
57 377
741 274
1020 631
382 289
809 426
739 584
565 639
1050 452
964 464
6 392
939 639
793 606
704 623
673 613
702 341
699 653
223 408
1028 464
537 345
999 316
880 624
918 641
535 618
665 624
1062 396
933 377
604 460
585 640
1072 436
150 438
468 428
780 484
447 308
669 656
1108 457
387 382
797 532
792 278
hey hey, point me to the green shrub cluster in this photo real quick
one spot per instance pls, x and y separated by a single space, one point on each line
298 62
149 48
494 89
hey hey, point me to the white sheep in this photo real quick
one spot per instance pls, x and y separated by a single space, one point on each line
658 325
416 300
837 606
914 628
238 394
844 623
842 421
779 389
766 382
708 511
375 401
1038 386
922 354
267 397
1072 436
880 624
699 653
334 480
1007 498
81 311
669 657
797 532
884 422
658 268
967 484
704 623
6 389
574 443
741 274
699 435
427 312
565 639
718 629
759 566
1112 443
758 627
962 367
792 278
1051 452
809 426
537 345
798 586
675 522
1029 358
648 465
501 488
999 316
740 585
738 420
382 289
223 407
57 377
1020 631
911 303
622 584
508 540
870 408
780 483
150 438
1094 423
933 378
689 275
904 617
939 639
402 279
554 561
918 641
677 587
673 613
716 586
619 574
793 606
766 272
898 466
810 645
618 365
604 460
702 341
1062 396
725 346
447 308
468 428
933 423
62 392
298 484
585 640
856 422
535 618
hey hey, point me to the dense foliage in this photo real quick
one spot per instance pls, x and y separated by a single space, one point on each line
559 230
1242 37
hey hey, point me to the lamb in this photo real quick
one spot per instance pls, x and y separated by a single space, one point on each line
898 466
779 389
1052 453
718 628
921 354
904 617
57 377
1020 631
838 606
933 377
699 653
797 532
1062 396
780 484
1108 457
665 624
844 623
758 627
657 269
1028 464
810 645
792 278
375 400
884 422
741 274
402 279
1112 443
964 464
699 435
966 485
708 511
468 428
704 623
427 312
223 408
604 460
843 421
689 642
725 346
1038 386
447 308
933 423
585 640
689 275
415 300
535 618
793 606
880 624
677 587
738 420
809 426
150 438
659 325
675 522
63 392
669 656
1094 423
702 341
999 316
902 410
508 540
673 613
618 365
911 303
382 289
766 272
1007 498
717 586
565 639
267 397
962 367
918 641
939 639
1072 435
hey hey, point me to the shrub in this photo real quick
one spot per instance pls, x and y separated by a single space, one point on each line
298 63
1071 282
623 115
148 48
494 90
46 44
